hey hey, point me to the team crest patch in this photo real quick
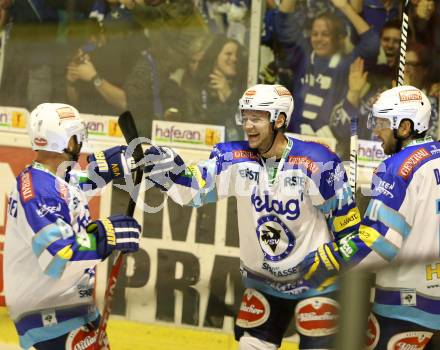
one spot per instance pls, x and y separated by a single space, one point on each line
317 316
409 340
275 238
254 309
373 332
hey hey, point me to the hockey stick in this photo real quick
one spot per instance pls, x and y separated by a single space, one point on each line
128 127
400 81
352 176
403 41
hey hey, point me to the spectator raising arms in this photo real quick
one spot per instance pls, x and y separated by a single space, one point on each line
325 67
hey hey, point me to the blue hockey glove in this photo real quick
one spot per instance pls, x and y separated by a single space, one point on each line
117 232
320 268
162 166
111 163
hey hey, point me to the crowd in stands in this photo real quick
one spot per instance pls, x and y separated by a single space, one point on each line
186 60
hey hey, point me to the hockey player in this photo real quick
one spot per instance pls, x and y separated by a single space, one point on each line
400 227
51 244
291 196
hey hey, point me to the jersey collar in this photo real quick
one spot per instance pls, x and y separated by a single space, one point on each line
419 141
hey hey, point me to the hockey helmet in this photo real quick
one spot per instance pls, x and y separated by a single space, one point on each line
51 125
274 99
402 102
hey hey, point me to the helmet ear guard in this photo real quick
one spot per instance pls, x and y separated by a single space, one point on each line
274 99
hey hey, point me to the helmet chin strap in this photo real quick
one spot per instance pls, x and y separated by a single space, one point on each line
275 133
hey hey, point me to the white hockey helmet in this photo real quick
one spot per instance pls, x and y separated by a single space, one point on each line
51 125
402 102
274 99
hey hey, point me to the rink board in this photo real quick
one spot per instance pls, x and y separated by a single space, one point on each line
125 335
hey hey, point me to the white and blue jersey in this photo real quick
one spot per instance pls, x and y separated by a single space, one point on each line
286 208
401 227
49 257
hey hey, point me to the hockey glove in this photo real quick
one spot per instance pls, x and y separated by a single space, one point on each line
117 232
111 163
163 165
321 267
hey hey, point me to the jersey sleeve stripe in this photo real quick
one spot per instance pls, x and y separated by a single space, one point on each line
375 241
339 200
56 267
377 210
45 237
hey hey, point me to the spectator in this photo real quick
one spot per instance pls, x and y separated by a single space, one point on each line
129 80
218 83
417 73
197 51
29 63
384 71
377 12
183 79
362 94
325 68
96 74
356 104
390 43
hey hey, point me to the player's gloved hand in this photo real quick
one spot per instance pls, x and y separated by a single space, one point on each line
320 268
117 232
162 166
111 163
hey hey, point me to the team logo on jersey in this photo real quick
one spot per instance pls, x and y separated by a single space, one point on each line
385 188
411 162
252 175
337 176
317 316
409 341
304 162
26 188
290 208
408 297
254 309
275 238
373 332
242 154
44 209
